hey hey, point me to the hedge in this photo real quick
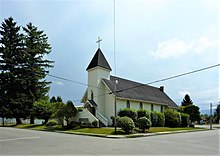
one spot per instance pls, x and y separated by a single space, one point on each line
131 113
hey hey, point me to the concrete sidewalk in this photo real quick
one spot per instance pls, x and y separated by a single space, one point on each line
214 126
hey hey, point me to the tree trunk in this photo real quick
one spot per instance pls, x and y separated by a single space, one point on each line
18 121
31 119
45 120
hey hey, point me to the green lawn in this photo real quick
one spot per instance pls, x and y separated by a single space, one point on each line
105 131
166 129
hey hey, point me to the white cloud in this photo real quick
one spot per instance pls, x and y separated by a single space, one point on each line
177 47
171 48
57 83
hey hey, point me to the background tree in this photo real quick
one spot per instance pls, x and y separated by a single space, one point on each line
193 112
217 112
58 109
42 110
70 111
59 99
53 99
187 101
12 58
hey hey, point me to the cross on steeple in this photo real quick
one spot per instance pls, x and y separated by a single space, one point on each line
99 40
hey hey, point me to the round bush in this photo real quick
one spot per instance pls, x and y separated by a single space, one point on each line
51 123
160 119
144 123
184 119
141 113
131 113
172 118
126 124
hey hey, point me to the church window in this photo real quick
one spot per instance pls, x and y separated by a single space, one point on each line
92 96
161 108
128 104
152 107
141 105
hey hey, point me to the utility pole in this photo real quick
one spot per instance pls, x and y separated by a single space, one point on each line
210 115
115 124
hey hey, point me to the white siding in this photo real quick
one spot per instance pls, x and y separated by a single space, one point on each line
95 79
109 106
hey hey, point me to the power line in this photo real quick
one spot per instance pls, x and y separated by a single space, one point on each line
57 77
76 82
165 79
172 77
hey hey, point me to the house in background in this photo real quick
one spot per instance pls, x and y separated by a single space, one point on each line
99 97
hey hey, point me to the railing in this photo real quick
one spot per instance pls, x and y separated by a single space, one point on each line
102 118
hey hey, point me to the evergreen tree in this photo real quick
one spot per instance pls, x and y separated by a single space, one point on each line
59 99
53 100
23 69
36 47
187 101
11 62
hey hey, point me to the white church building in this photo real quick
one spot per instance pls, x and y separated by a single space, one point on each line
103 89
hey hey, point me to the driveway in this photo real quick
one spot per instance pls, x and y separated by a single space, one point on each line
27 142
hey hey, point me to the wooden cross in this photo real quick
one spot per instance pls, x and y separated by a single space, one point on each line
99 40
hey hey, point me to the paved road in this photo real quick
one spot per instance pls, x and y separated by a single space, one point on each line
27 142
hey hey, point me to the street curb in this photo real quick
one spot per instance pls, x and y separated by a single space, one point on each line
131 135
137 135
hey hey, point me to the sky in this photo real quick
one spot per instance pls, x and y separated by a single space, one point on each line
154 39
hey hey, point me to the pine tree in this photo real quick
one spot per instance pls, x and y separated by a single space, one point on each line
23 69
36 47
11 62
187 101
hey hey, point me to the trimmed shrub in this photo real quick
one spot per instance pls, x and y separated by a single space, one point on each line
154 119
126 124
172 118
160 119
144 123
51 123
73 124
148 114
86 124
95 123
141 113
131 113
184 120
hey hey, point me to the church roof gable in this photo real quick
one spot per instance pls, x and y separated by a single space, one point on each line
141 93
99 60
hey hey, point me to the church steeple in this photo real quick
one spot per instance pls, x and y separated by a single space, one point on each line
99 60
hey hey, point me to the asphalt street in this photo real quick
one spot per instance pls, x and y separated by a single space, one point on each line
27 142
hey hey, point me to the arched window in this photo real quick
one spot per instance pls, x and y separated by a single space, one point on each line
141 105
92 96
128 104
